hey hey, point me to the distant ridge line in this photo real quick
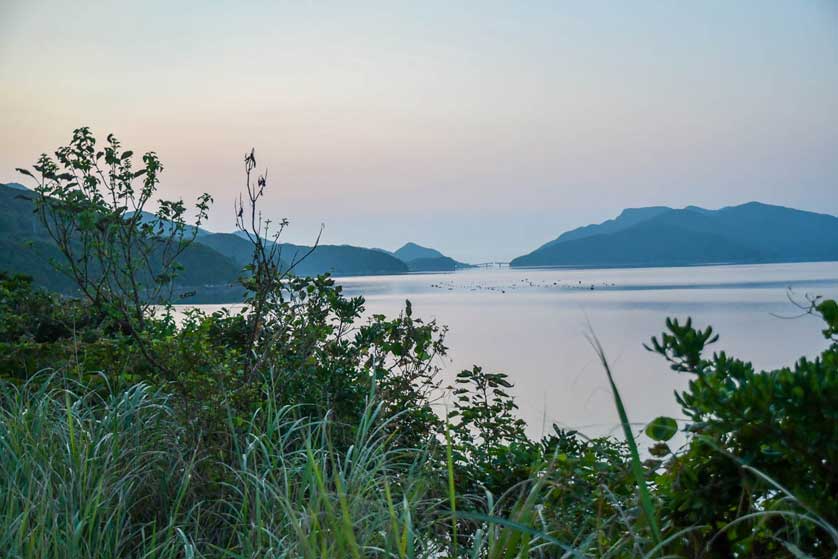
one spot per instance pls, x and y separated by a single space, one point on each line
749 233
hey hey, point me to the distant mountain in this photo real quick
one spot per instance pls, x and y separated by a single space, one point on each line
440 264
659 236
25 247
211 264
338 260
626 219
230 245
213 261
382 250
14 186
424 259
17 219
341 260
148 216
412 251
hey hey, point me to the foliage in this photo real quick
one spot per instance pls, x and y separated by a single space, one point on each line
39 330
490 448
123 260
592 492
644 497
783 422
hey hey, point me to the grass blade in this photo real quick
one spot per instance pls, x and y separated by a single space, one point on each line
636 465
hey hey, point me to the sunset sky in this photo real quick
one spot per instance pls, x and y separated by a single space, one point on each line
480 128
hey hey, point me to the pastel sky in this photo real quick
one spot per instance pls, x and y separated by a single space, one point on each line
481 128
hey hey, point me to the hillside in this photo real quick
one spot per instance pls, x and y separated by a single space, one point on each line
215 259
423 259
338 260
627 218
230 245
440 264
659 236
412 251
26 248
14 186
341 260
189 229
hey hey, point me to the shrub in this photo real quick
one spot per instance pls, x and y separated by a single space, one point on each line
783 423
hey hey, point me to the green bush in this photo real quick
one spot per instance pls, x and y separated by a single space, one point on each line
783 423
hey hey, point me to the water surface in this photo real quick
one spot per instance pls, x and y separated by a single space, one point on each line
532 324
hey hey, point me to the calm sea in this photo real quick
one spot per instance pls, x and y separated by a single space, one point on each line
532 324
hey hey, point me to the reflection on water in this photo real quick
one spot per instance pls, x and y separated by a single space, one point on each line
532 325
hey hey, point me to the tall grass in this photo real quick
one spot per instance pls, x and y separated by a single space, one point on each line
83 474
86 472
637 469
296 496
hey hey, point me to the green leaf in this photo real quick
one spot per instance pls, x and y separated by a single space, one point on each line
636 467
662 429
659 450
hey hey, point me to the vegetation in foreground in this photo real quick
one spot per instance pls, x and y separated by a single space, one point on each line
295 428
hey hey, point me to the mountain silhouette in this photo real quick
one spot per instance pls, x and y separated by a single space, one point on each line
412 251
660 236
211 264
423 259
25 247
338 260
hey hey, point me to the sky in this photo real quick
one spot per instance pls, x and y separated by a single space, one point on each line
481 128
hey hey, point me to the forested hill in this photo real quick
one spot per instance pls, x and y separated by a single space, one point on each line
338 260
215 259
26 248
660 236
